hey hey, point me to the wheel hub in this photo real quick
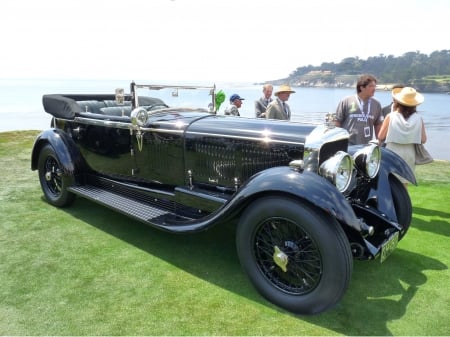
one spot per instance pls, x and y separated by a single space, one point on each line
280 258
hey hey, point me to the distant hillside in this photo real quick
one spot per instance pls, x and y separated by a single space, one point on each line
427 73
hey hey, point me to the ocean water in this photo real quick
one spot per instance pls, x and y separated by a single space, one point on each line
21 103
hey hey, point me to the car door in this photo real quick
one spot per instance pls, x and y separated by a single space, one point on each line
159 150
107 148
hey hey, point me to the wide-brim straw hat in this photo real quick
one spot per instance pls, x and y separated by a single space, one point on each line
284 88
396 88
407 96
395 91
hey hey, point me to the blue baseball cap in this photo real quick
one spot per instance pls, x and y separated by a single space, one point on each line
236 96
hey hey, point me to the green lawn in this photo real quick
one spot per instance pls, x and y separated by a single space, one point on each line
86 270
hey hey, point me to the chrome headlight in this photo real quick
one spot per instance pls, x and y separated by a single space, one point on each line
139 116
368 159
338 170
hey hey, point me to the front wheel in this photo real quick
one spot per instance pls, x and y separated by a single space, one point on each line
296 256
54 182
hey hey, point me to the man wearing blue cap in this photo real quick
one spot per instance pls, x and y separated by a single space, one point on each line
235 104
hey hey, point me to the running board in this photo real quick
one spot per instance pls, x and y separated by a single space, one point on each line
139 210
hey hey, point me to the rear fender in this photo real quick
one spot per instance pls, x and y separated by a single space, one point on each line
68 153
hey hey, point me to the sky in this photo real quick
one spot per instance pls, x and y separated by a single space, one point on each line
208 40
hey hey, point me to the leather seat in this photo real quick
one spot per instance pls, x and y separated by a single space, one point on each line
116 111
91 106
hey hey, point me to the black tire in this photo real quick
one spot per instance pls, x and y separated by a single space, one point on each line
319 260
54 182
402 204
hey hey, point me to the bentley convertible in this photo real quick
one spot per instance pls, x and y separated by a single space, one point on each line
305 204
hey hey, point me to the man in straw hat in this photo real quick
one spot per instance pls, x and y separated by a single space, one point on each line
360 114
278 108
403 127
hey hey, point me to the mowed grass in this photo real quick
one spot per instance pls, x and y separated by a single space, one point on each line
86 270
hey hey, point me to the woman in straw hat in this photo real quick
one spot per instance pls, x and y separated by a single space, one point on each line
278 108
403 127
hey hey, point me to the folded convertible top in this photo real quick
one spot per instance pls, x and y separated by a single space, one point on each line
66 106
60 106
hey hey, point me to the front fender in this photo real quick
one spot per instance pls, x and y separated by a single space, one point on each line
381 189
305 185
68 154
393 163
279 180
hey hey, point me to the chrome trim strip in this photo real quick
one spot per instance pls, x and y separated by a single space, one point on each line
102 122
262 138
129 126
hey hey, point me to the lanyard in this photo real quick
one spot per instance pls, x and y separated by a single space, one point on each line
360 104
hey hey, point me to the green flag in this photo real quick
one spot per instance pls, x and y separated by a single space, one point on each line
220 98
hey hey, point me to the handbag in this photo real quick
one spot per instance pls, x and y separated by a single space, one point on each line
422 155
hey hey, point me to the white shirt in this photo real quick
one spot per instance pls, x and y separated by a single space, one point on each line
403 131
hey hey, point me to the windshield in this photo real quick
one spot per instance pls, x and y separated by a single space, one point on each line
193 97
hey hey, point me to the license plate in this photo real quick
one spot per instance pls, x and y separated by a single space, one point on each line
389 246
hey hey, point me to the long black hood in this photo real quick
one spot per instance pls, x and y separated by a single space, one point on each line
273 131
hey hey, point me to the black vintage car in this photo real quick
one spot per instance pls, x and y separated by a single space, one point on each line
304 202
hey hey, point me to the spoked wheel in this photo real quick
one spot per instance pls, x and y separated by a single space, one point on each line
54 183
280 241
295 256
402 204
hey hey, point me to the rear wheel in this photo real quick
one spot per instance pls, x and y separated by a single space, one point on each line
54 182
402 204
296 256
